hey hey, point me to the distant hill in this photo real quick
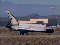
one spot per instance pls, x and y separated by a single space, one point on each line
28 17
33 16
36 16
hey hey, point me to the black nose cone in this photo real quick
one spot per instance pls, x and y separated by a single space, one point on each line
49 30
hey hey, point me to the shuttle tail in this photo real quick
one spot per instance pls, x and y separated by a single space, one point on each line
12 18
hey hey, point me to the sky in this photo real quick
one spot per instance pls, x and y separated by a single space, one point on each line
40 2
44 7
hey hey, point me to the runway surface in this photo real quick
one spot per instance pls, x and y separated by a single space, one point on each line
51 36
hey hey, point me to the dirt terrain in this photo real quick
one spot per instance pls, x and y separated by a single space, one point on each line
8 37
6 31
29 41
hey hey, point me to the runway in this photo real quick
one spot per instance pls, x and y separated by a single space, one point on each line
50 36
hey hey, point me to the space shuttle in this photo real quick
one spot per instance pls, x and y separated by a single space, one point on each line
15 25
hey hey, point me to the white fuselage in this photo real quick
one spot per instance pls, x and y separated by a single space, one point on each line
32 27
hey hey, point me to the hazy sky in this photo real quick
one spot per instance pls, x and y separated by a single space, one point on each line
40 2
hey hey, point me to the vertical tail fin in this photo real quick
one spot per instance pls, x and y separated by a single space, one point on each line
12 18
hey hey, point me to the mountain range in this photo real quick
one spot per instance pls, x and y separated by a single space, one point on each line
34 16
26 9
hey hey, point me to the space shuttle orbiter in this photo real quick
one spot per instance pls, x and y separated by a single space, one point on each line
15 25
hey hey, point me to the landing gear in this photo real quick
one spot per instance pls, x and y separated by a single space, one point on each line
23 32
